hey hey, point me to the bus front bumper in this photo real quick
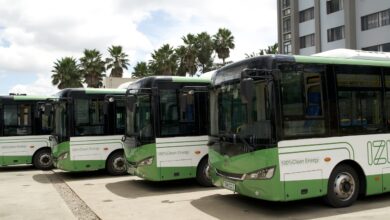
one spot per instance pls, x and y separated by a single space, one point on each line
270 189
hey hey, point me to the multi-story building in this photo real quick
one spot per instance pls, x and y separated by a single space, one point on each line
311 26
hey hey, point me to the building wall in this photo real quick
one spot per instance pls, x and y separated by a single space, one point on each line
349 17
114 82
376 36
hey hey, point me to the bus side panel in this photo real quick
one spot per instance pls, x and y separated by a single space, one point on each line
20 149
305 167
178 157
91 152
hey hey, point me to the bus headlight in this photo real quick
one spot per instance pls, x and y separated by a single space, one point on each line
147 161
63 156
265 173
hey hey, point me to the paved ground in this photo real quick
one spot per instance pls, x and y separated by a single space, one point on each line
26 193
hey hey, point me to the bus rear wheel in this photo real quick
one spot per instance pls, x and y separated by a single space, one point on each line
343 187
116 164
203 173
43 160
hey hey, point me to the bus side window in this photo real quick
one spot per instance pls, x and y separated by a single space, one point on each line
359 99
387 96
17 120
302 100
120 117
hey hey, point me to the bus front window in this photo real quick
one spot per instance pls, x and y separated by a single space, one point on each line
139 122
241 127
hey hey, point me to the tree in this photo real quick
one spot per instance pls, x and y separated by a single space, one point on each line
190 61
141 69
223 42
204 45
66 73
92 68
272 49
164 61
117 62
181 53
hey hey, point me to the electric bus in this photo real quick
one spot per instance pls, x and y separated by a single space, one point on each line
286 127
89 125
24 131
166 129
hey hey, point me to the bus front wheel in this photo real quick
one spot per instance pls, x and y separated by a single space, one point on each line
43 160
202 173
116 164
343 186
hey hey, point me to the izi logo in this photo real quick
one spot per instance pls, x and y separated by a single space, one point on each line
378 152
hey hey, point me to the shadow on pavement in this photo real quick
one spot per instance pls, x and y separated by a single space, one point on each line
144 188
17 168
235 206
71 176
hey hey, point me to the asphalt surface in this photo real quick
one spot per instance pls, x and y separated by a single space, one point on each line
26 193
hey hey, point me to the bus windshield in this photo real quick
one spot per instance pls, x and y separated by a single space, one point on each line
60 119
139 122
248 125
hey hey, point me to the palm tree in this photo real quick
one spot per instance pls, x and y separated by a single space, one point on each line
66 73
223 41
189 58
181 53
141 69
92 68
117 62
205 50
164 61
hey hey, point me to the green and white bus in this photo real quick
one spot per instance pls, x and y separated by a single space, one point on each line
166 129
89 125
293 127
25 131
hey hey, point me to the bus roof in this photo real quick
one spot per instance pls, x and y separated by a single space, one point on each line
25 97
91 91
150 80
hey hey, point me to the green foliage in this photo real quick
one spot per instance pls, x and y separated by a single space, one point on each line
66 73
141 69
272 49
92 68
223 42
117 62
164 61
205 49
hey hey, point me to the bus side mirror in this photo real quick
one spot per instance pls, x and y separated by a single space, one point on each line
130 101
246 90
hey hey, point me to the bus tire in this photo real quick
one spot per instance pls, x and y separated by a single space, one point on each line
43 159
202 173
343 186
116 164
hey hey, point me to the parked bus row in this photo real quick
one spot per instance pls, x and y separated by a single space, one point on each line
274 127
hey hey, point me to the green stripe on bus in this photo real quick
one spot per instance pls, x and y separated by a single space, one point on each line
190 79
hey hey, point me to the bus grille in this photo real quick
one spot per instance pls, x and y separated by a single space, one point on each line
233 176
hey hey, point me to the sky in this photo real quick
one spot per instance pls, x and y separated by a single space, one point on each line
34 34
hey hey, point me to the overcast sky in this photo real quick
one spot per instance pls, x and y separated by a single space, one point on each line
34 33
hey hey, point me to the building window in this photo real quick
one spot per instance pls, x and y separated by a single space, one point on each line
286 12
287 25
285 3
382 48
336 33
287 37
287 47
306 15
375 20
333 6
307 41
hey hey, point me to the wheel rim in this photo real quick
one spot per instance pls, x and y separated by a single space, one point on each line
45 160
344 186
119 164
